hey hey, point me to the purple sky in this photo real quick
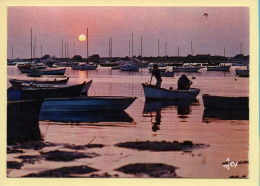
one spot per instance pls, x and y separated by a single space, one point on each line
177 26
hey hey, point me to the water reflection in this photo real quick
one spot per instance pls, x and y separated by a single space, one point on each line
91 117
153 109
210 115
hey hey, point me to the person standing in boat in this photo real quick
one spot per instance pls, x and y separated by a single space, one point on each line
157 73
184 83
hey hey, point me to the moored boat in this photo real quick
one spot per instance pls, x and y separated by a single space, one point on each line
186 68
22 120
242 71
129 67
85 103
18 82
222 102
11 63
153 92
84 67
223 68
24 66
41 91
60 71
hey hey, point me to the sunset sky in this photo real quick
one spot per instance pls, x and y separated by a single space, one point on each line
177 26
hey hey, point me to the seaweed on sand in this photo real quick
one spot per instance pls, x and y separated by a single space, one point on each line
156 170
63 172
65 155
161 146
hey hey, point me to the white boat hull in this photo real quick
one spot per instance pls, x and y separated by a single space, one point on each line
152 92
86 104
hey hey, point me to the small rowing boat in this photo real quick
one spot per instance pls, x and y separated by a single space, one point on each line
222 102
19 82
153 92
224 68
87 103
41 91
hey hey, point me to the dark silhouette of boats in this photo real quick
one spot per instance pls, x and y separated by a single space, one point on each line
49 91
19 82
22 120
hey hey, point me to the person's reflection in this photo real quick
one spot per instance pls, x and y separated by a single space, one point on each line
157 123
183 110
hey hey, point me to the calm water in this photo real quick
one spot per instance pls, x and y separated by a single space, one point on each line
156 121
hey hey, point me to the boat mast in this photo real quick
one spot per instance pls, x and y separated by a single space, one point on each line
41 50
158 48
129 48
68 49
191 48
240 48
87 42
111 47
178 51
12 53
31 44
34 51
224 52
141 46
165 48
74 48
62 49
65 50
132 44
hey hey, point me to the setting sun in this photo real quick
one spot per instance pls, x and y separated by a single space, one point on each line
82 37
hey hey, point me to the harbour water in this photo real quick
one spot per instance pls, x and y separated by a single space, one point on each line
223 136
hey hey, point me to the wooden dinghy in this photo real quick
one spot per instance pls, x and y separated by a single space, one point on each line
228 103
153 92
19 82
87 104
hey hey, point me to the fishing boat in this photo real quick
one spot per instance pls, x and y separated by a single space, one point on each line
24 66
59 71
223 68
186 68
153 92
84 67
222 102
129 67
11 63
40 91
87 103
18 82
242 71
22 120
39 66
109 64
